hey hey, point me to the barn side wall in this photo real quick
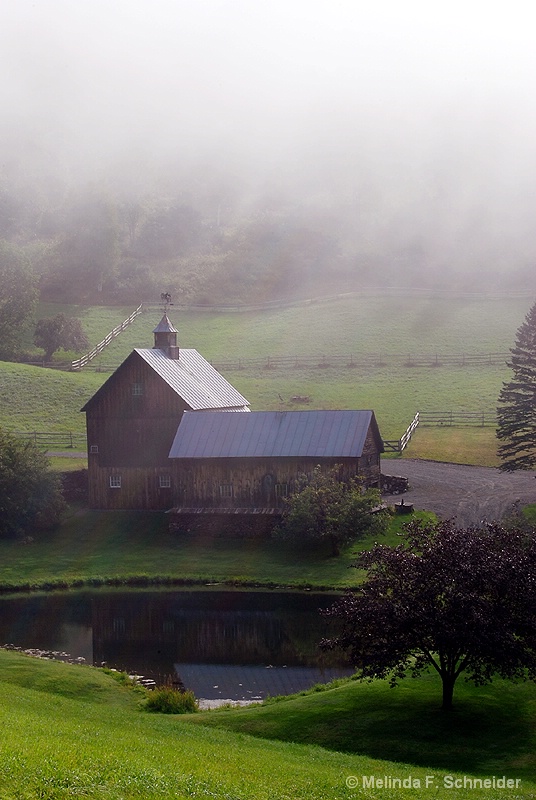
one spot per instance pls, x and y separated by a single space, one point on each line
254 483
129 487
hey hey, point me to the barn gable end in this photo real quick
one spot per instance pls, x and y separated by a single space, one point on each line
132 419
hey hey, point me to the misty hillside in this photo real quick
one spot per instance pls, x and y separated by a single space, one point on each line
94 245
237 152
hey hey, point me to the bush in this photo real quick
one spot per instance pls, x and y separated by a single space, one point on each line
166 700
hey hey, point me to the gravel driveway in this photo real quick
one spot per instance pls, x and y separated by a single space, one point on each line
468 494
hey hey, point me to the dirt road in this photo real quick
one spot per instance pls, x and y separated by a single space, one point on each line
468 494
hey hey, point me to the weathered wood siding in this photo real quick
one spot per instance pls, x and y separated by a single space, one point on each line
370 461
259 482
130 429
134 421
128 487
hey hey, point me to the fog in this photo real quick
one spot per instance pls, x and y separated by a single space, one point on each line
413 123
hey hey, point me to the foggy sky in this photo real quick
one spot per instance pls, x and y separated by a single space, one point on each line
423 107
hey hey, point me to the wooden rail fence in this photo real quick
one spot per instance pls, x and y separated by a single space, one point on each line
447 418
398 445
351 361
363 360
60 440
84 360
441 419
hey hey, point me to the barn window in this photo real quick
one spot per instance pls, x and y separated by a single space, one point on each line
226 489
115 481
94 448
281 489
137 389
164 481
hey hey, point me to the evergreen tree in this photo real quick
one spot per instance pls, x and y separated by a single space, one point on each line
516 413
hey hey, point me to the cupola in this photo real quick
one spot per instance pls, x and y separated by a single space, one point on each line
165 338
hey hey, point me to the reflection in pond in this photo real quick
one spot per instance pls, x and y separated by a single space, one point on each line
226 645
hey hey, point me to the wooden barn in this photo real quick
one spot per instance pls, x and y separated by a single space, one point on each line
250 462
133 418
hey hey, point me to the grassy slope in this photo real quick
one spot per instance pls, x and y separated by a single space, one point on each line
119 544
404 724
73 731
371 324
97 322
36 399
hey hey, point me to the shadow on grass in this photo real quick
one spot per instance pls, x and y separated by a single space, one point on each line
490 730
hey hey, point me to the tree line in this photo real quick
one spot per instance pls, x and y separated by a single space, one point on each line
202 241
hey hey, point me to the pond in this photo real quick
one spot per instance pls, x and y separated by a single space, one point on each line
236 645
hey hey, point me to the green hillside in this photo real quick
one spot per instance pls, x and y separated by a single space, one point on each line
70 731
383 325
379 324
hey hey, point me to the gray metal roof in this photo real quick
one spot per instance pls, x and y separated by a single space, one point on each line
165 326
194 379
328 434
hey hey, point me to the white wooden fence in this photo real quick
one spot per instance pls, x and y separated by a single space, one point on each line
81 362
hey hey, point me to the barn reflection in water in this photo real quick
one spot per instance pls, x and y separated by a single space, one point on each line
232 644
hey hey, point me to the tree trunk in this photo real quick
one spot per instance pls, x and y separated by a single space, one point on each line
334 545
448 691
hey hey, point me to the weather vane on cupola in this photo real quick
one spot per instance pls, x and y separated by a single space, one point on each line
165 299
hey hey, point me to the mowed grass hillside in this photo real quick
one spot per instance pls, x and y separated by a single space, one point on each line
70 731
94 547
380 325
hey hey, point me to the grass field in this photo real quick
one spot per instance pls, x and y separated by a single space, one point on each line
76 732
70 731
404 724
94 546
37 399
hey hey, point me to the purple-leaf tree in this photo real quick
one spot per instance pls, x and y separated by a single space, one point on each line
455 600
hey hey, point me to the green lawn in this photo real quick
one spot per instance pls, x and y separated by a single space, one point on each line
94 546
70 731
491 728
36 399
463 445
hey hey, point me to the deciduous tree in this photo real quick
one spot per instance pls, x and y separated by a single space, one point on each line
18 297
60 333
516 413
30 494
84 262
455 600
326 508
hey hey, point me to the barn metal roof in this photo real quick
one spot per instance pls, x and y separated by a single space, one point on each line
194 379
165 326
328 434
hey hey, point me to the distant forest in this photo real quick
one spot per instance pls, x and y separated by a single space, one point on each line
206 241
